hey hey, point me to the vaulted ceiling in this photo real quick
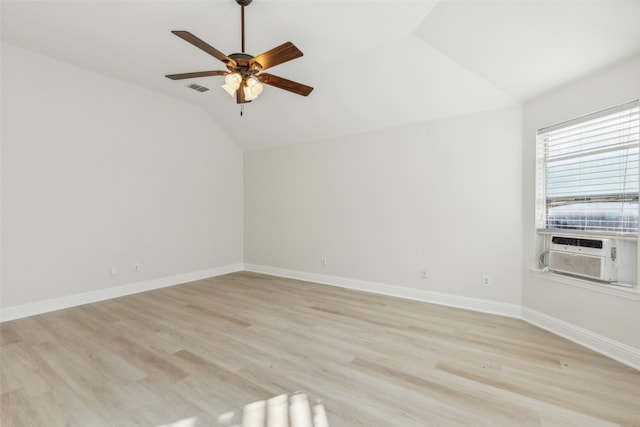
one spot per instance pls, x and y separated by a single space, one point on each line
373 64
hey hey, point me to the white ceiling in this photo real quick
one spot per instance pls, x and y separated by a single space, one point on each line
373 64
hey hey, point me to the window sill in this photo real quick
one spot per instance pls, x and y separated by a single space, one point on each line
589 234
632 293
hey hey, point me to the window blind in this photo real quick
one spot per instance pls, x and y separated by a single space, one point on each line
588 172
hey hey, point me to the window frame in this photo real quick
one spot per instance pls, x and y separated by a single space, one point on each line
542 200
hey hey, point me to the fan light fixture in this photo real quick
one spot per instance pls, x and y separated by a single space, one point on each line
251 87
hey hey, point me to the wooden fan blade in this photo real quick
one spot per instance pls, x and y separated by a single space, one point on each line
202 45
282 83
283 53
240 95
196 74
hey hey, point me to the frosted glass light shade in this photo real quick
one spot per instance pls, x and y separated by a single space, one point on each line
231 91
233 80
252 89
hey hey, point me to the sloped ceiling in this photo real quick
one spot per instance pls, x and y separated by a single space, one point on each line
373 64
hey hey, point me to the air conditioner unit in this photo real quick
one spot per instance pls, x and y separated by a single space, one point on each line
592 258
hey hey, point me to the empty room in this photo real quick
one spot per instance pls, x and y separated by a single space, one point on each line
272 213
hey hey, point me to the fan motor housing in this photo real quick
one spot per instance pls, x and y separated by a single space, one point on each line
243 67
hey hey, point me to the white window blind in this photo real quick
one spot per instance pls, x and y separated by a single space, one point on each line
587 174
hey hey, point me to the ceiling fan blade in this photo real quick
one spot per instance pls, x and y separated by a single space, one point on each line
240 95
196 74
202 45
282 83
283 53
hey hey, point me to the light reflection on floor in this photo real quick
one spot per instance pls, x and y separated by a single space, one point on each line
284 410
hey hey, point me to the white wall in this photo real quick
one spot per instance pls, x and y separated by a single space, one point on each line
99 173
444 196
615 317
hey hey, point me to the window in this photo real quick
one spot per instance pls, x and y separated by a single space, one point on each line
588 173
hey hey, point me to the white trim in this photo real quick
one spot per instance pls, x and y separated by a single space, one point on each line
632 293
621 352
40 307
468 303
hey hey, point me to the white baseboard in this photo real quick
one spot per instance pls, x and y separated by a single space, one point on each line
475 304
40 307
621 352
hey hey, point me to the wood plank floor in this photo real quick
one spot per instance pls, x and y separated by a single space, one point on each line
207 347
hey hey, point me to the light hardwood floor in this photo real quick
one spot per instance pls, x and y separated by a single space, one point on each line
207 347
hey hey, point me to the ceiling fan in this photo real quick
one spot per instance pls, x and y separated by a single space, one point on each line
245 75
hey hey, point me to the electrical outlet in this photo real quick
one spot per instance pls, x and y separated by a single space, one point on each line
486 281
136 267
114 270
423 273
323 261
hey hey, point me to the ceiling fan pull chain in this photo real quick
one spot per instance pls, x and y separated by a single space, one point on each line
241 109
